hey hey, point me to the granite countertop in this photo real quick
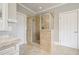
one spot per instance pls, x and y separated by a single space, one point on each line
10 41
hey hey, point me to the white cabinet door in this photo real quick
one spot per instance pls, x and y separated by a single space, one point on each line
68 29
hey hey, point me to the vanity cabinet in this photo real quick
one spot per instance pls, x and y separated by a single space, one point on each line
45 40
45 32
9 46
9 51
7 12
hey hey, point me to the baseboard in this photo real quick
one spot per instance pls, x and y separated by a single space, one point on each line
57 43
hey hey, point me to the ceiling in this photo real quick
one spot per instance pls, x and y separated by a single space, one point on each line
39 7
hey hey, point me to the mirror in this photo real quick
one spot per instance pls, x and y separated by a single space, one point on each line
45 22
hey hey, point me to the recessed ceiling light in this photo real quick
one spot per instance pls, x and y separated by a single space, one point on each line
40 7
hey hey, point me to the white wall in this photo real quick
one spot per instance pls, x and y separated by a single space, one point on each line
21 27
64 8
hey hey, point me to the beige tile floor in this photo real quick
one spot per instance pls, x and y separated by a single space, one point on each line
57 50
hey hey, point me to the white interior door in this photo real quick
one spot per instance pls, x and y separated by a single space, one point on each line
21 27
68 32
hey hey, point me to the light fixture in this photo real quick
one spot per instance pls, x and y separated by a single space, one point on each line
40 7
